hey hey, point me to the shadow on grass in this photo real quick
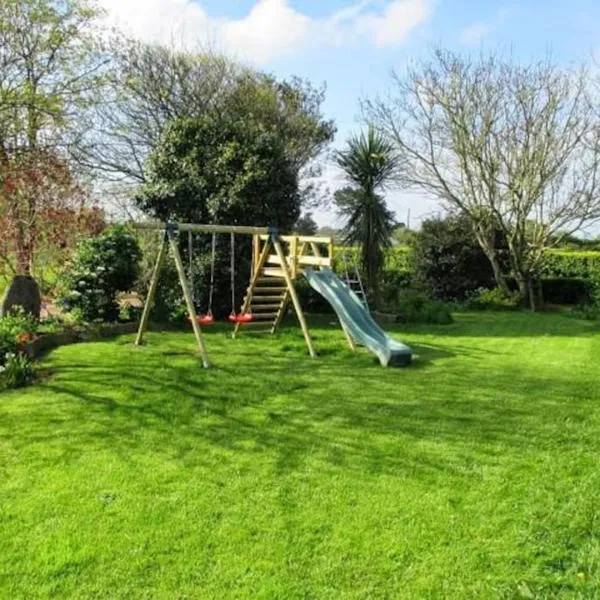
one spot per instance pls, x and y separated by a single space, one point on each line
348 413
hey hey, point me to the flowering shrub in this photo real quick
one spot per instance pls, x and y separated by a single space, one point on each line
16 330
103 266
16 371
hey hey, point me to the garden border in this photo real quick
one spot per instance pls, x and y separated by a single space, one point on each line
49 341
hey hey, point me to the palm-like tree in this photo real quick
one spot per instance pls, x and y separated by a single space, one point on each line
369 163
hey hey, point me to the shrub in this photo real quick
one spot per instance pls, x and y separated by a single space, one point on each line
103 266
15 327
567 291
494 299
447 261
415 307
16 371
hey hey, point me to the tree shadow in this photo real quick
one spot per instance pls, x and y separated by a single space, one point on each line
349 413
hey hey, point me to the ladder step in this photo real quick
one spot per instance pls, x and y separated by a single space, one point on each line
263 299
264 316
270 289
265 306
273 273
263 324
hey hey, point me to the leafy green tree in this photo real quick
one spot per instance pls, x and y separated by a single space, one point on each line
369 163
151 85
447 260
306 225
208 170
49 72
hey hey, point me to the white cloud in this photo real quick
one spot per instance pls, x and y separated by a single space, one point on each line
272 28
398 19
475 34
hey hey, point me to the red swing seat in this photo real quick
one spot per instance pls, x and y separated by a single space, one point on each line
206 319
241 318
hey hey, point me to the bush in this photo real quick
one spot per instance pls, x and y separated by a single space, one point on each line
16 371
415 307
567 291
447 261
103 266
494 299
16 329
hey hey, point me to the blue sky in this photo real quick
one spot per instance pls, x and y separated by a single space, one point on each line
352 45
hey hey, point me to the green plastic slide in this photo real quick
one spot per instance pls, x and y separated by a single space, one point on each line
356 319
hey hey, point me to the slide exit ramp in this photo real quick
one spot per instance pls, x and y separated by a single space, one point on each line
356 320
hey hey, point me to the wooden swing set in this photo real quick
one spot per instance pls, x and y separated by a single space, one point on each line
277 261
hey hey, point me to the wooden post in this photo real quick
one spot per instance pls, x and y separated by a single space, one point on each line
294 297
151 292
255 253
262 259
188 299
294 257
348 337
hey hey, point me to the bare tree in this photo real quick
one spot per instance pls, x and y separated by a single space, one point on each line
146 86
49 71
150 85
514 147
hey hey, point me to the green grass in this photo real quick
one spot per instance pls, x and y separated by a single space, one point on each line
133 473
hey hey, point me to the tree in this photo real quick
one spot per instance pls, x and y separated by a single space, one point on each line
150 86
447 261
42 210
49 70
208 170
369 163
146 87
513 147
48 73
306 225
403 236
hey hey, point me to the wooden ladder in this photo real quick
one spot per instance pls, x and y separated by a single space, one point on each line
267 301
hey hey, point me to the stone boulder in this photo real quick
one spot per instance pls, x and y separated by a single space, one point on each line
22 291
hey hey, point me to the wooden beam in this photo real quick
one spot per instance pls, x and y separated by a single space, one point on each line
151 293
302 238
188 300
318 261
200 228
294 297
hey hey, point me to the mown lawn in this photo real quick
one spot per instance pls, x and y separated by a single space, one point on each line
475 473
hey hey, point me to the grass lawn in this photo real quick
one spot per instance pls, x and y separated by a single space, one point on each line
475 473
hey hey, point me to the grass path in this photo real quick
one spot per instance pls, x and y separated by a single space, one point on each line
475 473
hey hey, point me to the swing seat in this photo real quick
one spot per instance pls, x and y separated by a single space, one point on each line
245 318
204 319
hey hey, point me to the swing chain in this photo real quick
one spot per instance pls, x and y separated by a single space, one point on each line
212 273
232 270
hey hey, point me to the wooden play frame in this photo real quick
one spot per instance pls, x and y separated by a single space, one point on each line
271 263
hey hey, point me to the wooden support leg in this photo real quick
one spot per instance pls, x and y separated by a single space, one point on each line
188 301
294 297
348 337
151 293
281 313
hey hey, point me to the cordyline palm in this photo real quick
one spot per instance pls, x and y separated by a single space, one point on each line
369 162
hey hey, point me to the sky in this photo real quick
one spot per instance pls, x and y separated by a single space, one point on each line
353 45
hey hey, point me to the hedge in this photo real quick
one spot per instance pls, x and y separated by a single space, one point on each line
568 276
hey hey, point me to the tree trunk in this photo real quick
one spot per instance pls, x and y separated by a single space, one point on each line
492 256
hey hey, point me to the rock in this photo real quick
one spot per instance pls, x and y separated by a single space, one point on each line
22 291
